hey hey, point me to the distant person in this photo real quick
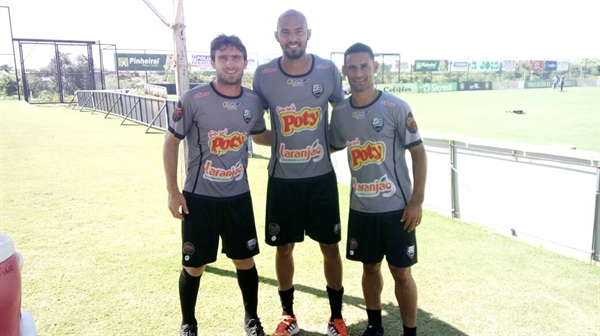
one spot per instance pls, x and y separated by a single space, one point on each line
555 82
302 193
562 82
216 120
385 206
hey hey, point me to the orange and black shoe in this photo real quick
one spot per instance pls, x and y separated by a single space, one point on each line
337 327
288 325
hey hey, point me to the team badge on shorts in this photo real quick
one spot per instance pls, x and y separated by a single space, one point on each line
274 230
251 244
411 124
188 249
410 251
317 90
178 113
337 228
352 245
247 116
378 124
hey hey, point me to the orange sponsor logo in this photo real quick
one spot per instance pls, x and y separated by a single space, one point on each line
306 119
220 142
362 155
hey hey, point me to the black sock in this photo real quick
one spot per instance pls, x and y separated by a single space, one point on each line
287 301
335 302
248 282
374 318
409 331
188 293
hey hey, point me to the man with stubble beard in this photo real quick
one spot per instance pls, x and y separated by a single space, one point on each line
302 194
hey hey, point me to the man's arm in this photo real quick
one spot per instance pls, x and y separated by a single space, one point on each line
263 138
414 210
170 157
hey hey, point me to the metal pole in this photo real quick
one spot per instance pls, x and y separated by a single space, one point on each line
596 231
12 42
23 76
454 180
61 96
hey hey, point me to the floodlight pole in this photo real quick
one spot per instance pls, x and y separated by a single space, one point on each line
182 78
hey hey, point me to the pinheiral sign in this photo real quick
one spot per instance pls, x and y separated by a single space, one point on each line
142 62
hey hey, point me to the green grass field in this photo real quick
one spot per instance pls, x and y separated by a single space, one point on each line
85 201
570 118
557 119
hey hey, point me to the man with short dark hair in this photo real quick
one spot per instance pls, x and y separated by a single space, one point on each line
216 120
385 207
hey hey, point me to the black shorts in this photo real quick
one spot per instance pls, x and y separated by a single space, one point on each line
230 218
303 205
371 236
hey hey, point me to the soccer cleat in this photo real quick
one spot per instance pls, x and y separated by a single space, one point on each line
370 331
287 326
188 330
337 327
254 328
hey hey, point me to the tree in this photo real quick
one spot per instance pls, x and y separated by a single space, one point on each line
8 85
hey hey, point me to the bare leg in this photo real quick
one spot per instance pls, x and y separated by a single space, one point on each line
284 266
406 294
372 284
332 264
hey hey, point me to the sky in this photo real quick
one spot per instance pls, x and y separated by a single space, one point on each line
416 29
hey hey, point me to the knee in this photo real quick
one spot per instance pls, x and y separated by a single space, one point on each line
330 251
371 269
285 251
402 276
243 264
195 271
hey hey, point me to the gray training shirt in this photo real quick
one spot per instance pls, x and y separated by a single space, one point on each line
377 137
299 116
216 129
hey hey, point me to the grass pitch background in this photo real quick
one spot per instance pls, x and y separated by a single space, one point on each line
85 201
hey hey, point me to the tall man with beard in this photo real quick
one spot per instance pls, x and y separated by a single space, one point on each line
302 194
216 120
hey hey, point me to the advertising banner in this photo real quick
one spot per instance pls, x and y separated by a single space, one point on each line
459 66
550 65
431 66
474 86
144 62
398 88
436 87
588 82
547 84
562 66
509 65
537 65
201 63
508 85
485 65
404 66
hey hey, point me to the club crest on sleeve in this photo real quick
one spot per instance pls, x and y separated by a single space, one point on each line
247 116
178 113
377 124
317 90
411 124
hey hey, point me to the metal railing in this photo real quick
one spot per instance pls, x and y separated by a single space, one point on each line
539 196
543 198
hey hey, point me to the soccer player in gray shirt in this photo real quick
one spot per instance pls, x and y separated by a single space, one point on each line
216 120
302 194
377 128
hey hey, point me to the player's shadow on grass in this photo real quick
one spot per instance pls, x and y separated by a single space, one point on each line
428 325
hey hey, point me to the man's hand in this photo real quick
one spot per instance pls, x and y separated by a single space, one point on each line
177 201
412 216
